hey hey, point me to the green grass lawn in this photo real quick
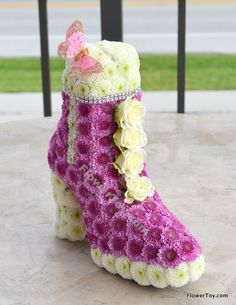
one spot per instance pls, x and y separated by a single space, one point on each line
203 72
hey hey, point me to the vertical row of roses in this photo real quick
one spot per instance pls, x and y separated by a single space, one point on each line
130 138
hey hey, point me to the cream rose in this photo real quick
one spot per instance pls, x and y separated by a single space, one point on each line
129 113
130 138
130 162
138 188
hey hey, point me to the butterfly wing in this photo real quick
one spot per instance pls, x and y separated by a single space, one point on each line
62 49
76 44
76 26
88 64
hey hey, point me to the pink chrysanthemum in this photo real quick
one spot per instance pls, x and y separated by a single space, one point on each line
135 228
60 151
83 109
83 128
60 168
190 249
63 133
99 228
117 245
150 253
156 218
138 213
82 148
103 244
170 235
72 175
169 256
83 191
109 210
92 208
105 141
134 249
150 205
92 239
51 158
108 108
119 224
153 234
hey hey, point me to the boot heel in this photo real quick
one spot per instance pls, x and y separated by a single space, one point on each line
69 222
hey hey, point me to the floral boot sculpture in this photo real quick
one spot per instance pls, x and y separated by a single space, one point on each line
100 182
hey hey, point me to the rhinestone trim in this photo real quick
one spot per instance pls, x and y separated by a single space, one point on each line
102 99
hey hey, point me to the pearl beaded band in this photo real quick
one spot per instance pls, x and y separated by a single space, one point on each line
100 99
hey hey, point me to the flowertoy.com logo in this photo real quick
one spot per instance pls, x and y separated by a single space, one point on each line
207 295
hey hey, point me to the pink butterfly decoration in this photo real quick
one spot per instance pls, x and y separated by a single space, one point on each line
73 47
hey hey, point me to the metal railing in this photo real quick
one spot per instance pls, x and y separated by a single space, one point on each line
111 29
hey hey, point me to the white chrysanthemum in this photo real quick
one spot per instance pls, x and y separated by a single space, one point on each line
70 200
60 229
58 196
124 68
108 262
134 79
118 85
104 60
57 182
75 233
178 276
156 276
124 52
123 267
61 212
103 87
73 216
196 268
65 77
94 50
109 70
138 271
96 255
71 82
81 89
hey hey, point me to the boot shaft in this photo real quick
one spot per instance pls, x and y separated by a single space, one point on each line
86 125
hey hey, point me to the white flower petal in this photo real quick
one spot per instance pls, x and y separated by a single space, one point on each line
178 276
57 183
123 267
61 212
138 272
60 229
97 256
73 216
108 262
75 233
70 200
58 196
196 268
156 276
